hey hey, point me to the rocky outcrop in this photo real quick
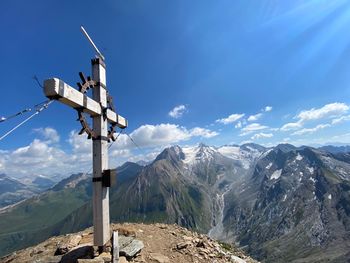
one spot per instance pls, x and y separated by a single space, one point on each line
158 243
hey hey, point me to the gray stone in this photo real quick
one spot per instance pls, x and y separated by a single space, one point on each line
93 260
183 245
131 249
72 241
50 259
124 240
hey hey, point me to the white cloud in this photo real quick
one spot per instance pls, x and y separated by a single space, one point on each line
268 108
49 134
120 153
36 158
238 125
329 110
252 128
291 126
201 132
177 111
255 117
165 134
144 157
341 119
245 142
311 130
261 135
230 119
43 157
155 135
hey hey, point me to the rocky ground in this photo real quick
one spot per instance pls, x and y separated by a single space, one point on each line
158 243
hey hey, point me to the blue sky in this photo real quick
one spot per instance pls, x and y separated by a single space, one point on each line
228 71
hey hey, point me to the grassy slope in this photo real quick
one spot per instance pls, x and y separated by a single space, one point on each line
52 213
24 223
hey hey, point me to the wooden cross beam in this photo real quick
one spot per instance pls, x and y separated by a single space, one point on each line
57 89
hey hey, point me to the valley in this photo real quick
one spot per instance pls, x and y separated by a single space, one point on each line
280 204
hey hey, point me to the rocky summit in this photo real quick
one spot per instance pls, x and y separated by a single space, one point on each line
158 243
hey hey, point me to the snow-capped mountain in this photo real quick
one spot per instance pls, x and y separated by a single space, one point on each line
281 204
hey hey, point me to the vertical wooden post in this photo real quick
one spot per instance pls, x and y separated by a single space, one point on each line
100 157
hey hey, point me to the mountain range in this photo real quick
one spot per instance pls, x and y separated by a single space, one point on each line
13 190
280 204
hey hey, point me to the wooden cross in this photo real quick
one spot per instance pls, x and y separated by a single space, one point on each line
97 109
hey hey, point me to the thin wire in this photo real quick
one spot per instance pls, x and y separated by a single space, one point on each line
134 143
45 106
109 146
15 115
35 107
37 81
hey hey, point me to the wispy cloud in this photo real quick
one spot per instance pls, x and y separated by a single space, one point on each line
177 111
268 108
201 132
230 119
255 117
291 126
332 110
49 134
329 110
341 119
261 135
238 125
252 128
311 130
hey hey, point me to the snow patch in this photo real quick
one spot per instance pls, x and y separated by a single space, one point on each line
190 154
268 166
276 174
197 154
330 197
310 169
230 151
312 179
284 198
299 157
245 157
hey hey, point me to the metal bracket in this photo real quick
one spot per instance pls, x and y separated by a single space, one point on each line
108 178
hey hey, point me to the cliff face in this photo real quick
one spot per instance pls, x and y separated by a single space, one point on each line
160 242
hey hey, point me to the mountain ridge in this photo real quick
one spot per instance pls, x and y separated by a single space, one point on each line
230 192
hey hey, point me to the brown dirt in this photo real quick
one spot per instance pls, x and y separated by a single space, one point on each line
162 244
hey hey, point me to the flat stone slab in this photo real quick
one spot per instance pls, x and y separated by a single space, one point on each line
131 249
94 260
124 240
50 259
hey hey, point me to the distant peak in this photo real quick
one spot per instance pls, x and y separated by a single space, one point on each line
202 145
173 153
285 147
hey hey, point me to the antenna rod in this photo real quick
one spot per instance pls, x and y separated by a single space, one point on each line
92 43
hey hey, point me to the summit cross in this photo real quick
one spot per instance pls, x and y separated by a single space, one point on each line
102 116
